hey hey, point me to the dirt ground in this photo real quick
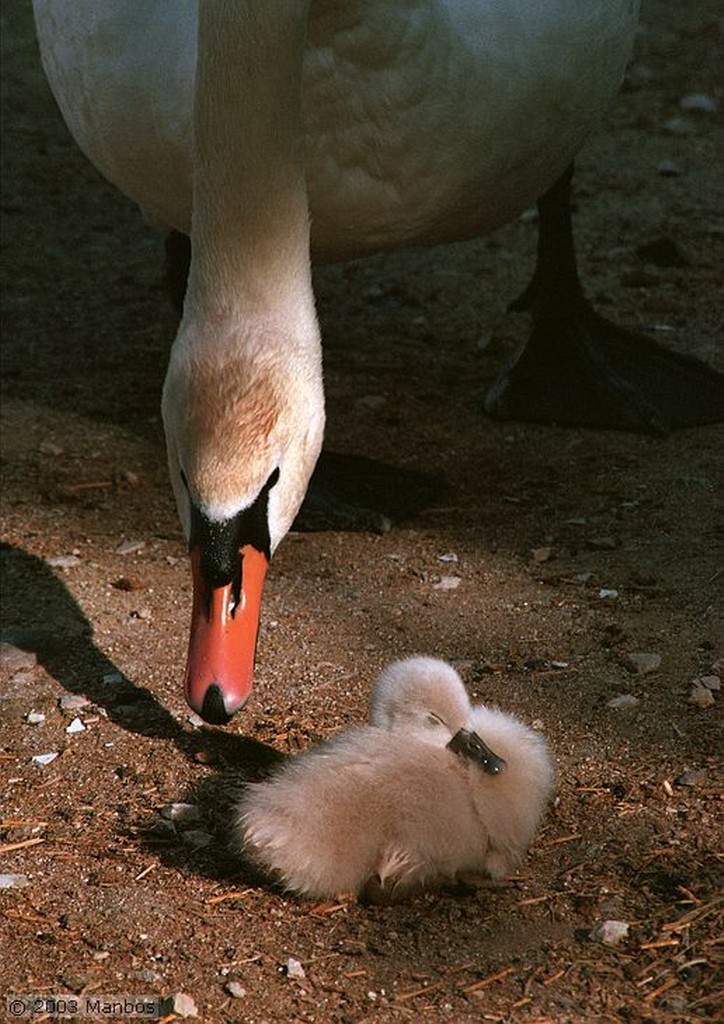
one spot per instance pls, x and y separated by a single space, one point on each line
543 525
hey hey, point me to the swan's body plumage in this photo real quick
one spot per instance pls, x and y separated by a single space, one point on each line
423 122
379 123
389 809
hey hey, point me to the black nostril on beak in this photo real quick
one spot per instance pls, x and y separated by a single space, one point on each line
213 709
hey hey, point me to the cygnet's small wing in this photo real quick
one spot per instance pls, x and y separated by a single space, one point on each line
422 696
512 802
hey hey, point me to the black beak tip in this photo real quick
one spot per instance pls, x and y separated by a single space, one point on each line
213 710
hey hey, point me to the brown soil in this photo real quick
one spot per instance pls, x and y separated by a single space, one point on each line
540 519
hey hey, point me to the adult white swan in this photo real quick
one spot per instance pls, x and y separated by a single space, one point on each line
386 123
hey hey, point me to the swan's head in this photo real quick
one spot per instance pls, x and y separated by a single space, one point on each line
426 697
244 418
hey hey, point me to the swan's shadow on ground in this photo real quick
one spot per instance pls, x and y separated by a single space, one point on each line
39 614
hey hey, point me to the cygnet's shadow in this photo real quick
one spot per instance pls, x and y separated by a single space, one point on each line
197 832
39 614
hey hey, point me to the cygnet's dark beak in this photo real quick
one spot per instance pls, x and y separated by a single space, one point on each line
468 744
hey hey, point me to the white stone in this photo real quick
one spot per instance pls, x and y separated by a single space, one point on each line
448 583
73 702
129 547
701 696
180 1004
43 759
13 881
294 969
700 102
623 702
610 933
643 662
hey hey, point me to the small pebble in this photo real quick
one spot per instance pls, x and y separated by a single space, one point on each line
610 933
642 662
180 1004
695 777
73 702
483 342
64 561
448 583
669 169
700 102
710 682
75 726
235 989
128 584
112 678
145 974
602 543
607 595
623 702
129 547
12 881
371 401
14 658
50 448
294 969
679 126
181 813
195 720
34 717
541 554
43 759
701 696
449 556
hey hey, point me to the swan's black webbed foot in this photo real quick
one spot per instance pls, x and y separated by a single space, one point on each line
577 368
351 492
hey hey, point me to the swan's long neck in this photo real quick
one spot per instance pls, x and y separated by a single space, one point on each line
250 225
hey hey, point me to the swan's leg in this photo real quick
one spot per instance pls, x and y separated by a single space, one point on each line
346 492
577 368
178 262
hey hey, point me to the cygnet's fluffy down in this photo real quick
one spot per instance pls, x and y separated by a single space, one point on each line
431 791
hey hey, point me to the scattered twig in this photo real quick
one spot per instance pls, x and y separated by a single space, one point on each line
561 839
19 823
698 914
230 896
146 871
9 847
660 989
491 978
660 943
404 996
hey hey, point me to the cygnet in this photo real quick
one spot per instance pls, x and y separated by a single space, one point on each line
432 791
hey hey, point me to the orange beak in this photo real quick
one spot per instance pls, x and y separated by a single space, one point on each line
224 629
